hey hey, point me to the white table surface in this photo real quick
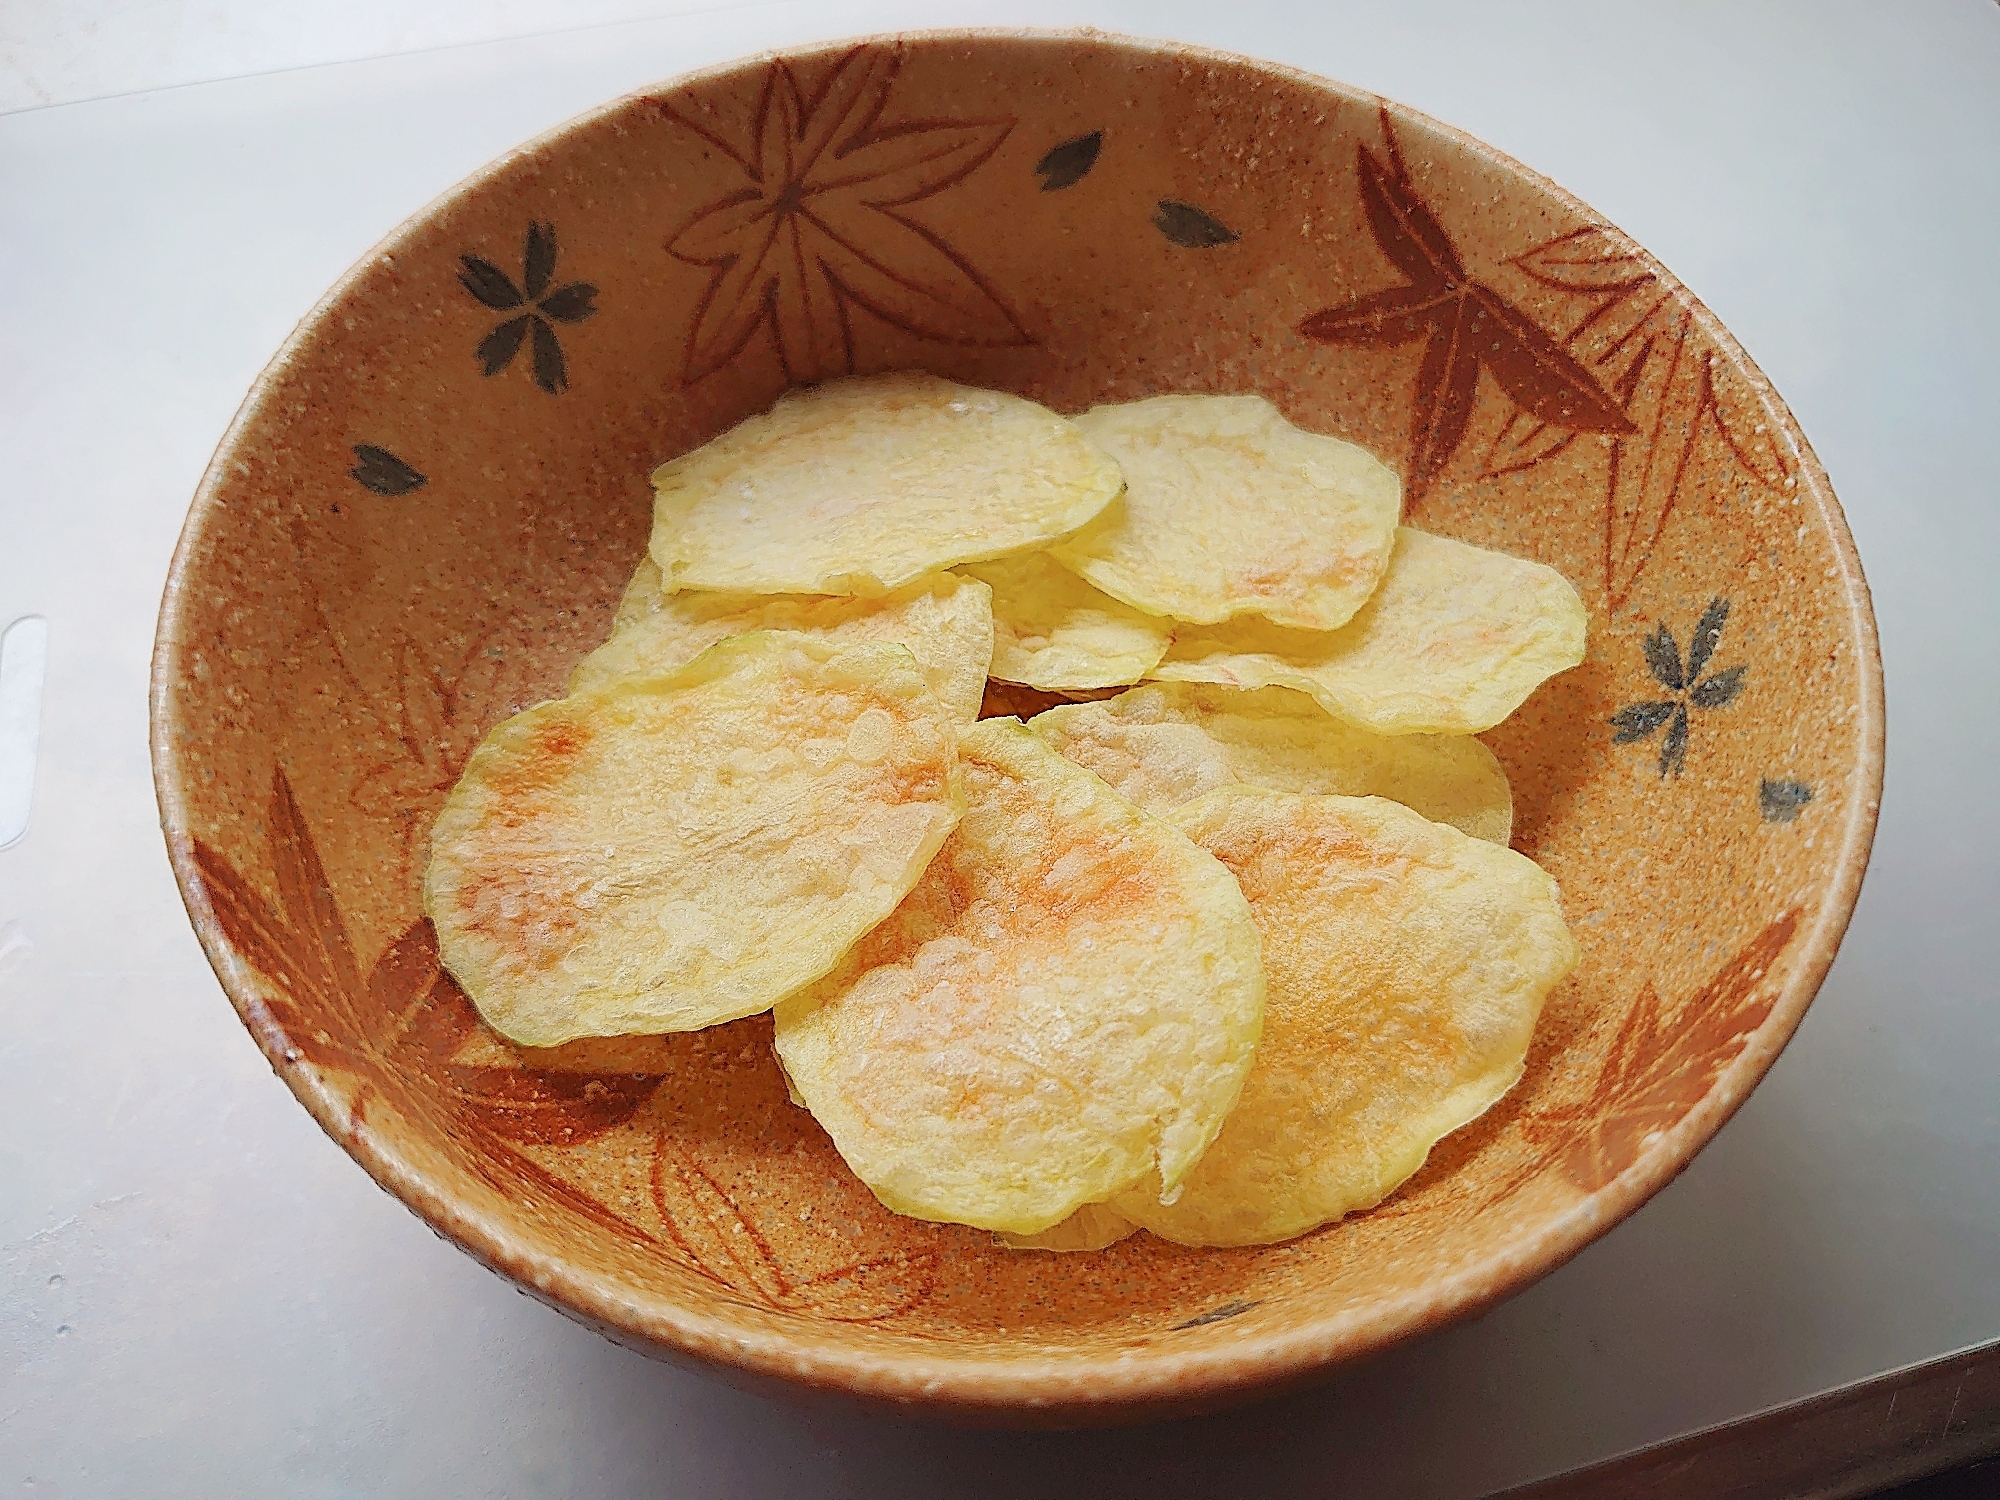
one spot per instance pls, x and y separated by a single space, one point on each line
200 1295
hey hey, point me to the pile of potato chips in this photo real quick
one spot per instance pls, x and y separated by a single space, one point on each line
1220 957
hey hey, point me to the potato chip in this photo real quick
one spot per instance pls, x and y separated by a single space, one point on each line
1095 1226
1407 964
669 852
642 596
945 621
1451 643
1164 744
862 486
1231 510
1053 631
1067 1002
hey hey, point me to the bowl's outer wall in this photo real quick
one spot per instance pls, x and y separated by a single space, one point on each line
430 501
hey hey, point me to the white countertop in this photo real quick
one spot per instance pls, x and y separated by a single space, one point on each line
201 1295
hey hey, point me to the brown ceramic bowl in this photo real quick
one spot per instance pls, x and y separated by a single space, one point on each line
427 506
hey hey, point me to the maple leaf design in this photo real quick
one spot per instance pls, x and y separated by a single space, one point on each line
398 1030
724 1241
1662 1063
1686 686
1465 324
1679 391
570 303
821 225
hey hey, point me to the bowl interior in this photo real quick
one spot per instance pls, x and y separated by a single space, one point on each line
429 504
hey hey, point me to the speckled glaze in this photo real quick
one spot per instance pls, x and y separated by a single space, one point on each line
426 510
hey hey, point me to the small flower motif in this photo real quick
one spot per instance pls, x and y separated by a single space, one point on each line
570 303
1639 721
818 222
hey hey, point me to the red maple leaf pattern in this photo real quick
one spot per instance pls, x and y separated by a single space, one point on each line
1466 327
1677 388
1663 1062
399 1030
821 225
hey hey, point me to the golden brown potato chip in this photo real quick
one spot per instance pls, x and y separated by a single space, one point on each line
1053 631
1095 1226
1165 744
1231 510
1407 964
862 486
1451 643
673 851
946 622
1067 1002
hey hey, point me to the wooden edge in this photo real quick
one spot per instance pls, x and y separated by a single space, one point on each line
1838 1445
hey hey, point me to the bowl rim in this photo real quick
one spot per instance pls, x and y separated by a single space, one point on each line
1208 1372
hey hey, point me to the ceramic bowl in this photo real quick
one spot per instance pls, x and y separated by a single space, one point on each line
426 509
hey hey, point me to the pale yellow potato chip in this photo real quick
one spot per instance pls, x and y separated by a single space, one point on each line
945 621
1231 510
1066 1003
642 595
1166 743
1407 964
1451 643
669 852
861 486
1053 631
1095 1226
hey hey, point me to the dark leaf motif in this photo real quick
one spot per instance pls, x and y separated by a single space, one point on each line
1467 326
1234 1308
1381 320
1663 659
379 470
550 373
1447 386
1674 744
497 350
1720 689
1707 635
1539 374
1190 227
538 259
572 303
488 283
548 1108
1405 229
1782 801
1660 1066
1638 721
1069 163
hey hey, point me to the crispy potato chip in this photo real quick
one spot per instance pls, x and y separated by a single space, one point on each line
1407 964
1164 744
946 622
1452 642
1095 1226
862 486
1067 1002
642 595
1053 631
1231 510
669 852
